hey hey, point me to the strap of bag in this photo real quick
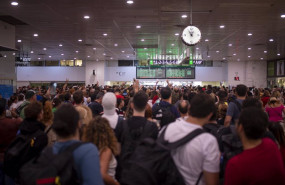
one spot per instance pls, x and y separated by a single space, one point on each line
182 141
50 127
200 176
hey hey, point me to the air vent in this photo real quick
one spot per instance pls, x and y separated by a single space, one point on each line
11 20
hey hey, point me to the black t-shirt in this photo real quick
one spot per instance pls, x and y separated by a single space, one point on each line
96 108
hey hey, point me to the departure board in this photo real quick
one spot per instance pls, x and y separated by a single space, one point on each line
150 72
182 72
168 72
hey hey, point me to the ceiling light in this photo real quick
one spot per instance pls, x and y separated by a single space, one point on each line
222 26
105 34
172 44
79 40
115 45
208 56
104 54
111 58
14 3
184 16
271 40
170 51
94 48
36 35
39 58
88 56
19 40
86 17
76 51
249 34
32 51
261 58
49 56
206 40
45 49
176 34
217 51
234 54
230 45
123 51
14 53
265 51
238 59
74 58
278 54
224 58
130 2
60 45
197 48
145 48
128 56
62 54
249 48
142 40
5 56
138 26
283 16
248 56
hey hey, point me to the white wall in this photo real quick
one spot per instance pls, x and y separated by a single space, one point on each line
120 73
250 73
100 72
47 74
7 35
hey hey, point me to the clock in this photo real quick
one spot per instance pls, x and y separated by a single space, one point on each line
191 35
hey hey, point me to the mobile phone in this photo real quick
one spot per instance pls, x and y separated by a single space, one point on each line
52 87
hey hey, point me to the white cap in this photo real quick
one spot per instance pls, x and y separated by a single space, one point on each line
109 103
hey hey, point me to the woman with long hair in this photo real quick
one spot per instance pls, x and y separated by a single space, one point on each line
48 121
100 133
275 109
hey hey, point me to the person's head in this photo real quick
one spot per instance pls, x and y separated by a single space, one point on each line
272 101
266 93
101 134
56 102
66 121
222 95
241 90
109 103
34 111
67 96
31 96
277 130
191 95
78 97
139 101
120 103
183 107
99 97
252 102
165 93
252 123
202 107
117 91
48 115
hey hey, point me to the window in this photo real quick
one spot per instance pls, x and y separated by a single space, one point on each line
67 63
78 63
51 63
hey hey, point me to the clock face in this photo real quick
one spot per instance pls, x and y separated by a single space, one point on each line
191 35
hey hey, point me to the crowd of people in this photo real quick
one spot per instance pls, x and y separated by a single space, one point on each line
137 135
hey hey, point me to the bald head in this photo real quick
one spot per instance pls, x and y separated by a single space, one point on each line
183 107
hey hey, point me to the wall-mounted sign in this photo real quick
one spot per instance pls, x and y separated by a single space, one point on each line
162 62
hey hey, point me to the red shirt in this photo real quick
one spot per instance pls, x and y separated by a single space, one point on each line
261 165
265 100
120 96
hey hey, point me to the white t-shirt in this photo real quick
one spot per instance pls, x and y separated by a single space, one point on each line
113 119
201 153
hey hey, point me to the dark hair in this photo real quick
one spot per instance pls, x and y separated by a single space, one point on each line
93 96
33 110
222 95
183 108
119 101
21 97
251 102
201 106
99 95
241 90
165 93
140 101
67 96
277 130
2 105
254 121
65 121
191 95
78 97
56 102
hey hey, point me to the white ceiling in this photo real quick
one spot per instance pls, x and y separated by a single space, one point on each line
62 22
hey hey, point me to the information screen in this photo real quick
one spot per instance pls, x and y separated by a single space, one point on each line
168 72
182 72
150 72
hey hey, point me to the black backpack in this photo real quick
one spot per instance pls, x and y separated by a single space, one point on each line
20 151
163 115
51 169
152 163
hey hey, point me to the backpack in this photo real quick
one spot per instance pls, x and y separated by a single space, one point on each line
163 115
152 163
51 169
229 144
21 107
20 151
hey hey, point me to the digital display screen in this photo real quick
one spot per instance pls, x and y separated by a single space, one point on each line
169 72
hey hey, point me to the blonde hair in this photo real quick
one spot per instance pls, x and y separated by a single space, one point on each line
48 115
100 133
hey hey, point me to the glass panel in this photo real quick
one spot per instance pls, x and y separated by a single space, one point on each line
67 63
78 63
51 63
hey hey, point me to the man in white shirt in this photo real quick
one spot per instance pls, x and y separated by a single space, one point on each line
202 153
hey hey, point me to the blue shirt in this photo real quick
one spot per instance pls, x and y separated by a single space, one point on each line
173 109
234 111
86 159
